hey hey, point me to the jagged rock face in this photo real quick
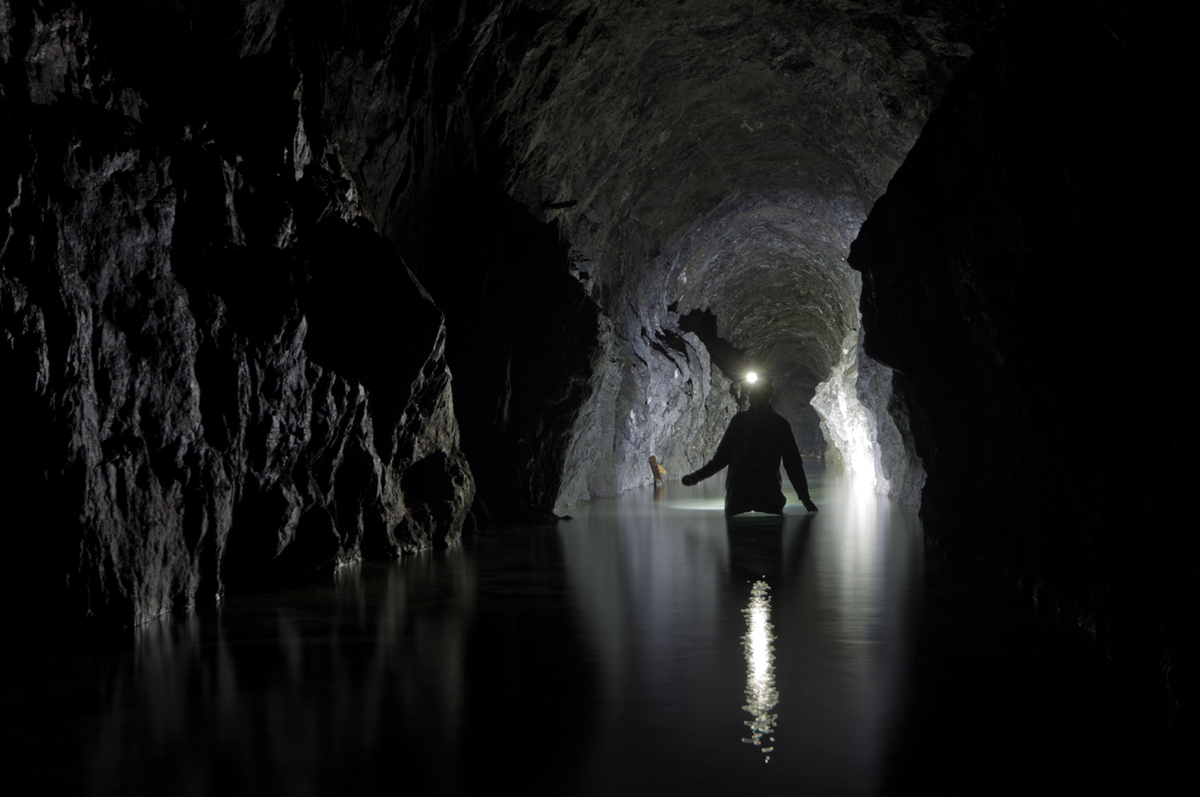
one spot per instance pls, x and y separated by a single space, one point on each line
1012 272
219 375
866 420
882 393
522 337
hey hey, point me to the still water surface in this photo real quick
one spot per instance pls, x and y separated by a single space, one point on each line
647 646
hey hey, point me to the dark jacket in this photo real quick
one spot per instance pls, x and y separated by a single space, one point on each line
753 445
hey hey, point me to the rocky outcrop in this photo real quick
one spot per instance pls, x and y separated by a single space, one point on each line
865 417
658 395
899 472
522 337
1018 276
215 372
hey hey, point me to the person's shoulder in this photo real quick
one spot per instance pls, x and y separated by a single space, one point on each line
740 419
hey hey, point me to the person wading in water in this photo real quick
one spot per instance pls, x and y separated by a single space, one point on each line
753 445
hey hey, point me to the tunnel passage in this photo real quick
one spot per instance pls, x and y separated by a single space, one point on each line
735 145
712 157
756 269
722 161
707 157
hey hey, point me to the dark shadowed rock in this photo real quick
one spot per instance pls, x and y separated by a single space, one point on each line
214 373
1022 277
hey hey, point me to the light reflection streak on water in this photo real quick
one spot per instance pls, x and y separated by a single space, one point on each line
761 694
660 583
856 558
864 572
706 503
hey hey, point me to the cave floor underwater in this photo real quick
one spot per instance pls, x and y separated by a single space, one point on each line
644 647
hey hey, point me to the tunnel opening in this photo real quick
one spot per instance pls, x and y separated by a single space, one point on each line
788 314
747 285
723 166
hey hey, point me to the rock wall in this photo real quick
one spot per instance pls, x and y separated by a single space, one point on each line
845 423
523 336
408 97
216 372
1026 273
899 472
658 395
866 419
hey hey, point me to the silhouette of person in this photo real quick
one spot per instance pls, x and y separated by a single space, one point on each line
756 440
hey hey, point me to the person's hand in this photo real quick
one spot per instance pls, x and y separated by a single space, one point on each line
689 480
809 505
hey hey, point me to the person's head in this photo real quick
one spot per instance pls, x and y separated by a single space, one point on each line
759 392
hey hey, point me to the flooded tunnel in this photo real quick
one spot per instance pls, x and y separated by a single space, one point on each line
337 344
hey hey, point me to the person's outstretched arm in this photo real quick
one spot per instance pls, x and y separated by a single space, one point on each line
795 467
719 460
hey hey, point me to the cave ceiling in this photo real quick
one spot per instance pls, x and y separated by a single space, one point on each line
721 156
